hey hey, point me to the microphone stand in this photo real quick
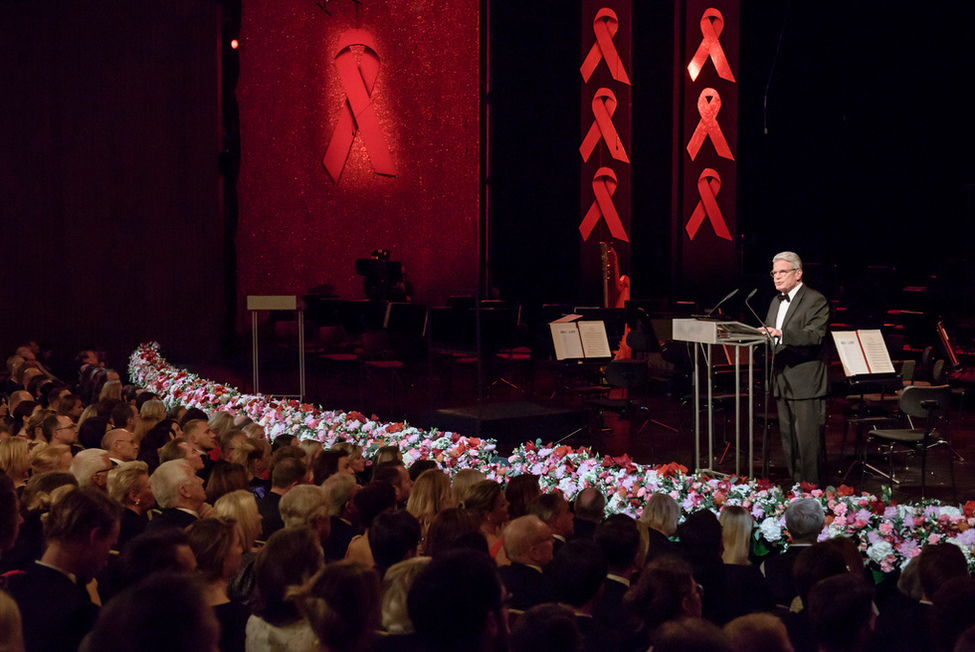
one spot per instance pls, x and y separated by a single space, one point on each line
769 366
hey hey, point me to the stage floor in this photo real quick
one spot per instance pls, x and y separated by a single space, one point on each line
660 433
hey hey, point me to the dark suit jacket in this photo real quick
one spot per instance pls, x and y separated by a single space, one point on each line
170 517
271 520
56 612
778 574
800 356
527 586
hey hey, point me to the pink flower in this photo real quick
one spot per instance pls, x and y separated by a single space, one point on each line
886 527
839 509
934 538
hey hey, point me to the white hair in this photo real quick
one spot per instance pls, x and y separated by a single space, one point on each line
303 504
87 463
789 257
166 481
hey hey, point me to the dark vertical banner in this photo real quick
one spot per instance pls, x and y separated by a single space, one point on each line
605 139
706 109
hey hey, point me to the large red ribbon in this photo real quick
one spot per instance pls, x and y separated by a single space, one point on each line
605 26
712 23
708 185
708 106
358 112
603 186
603 108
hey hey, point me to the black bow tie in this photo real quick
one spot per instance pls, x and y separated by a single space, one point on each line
784 297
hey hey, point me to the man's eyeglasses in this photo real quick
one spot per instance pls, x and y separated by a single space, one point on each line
775 273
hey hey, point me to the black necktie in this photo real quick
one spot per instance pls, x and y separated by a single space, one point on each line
784 297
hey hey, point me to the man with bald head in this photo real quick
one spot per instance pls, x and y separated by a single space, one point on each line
121 446
528 545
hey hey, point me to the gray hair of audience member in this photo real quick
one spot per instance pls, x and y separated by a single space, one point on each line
521 535
804 518
790 257
304 505
546 506
124 478
909 583
758 632
166 481
87 463
396 586
590 505
462 482
661 513
339 490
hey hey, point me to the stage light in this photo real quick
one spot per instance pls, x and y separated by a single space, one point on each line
234 44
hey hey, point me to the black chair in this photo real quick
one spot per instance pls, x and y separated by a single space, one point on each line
932 404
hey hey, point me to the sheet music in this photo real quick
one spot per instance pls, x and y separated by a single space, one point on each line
878 359
594 340
568 343
851 355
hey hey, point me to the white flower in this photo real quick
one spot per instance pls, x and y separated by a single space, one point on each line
878 551
771 529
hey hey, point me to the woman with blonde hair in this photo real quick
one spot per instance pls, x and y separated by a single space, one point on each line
52 457
356 460
661 515
15 460
34 429
87 413
221 422
241 507
312 448
429 496
462 483
152 412
736 534
487 502
111 390
128 485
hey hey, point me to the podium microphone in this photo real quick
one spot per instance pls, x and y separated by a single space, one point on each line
720 303
752 310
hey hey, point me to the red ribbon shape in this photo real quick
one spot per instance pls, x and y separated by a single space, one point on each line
708 105
712 23
359 112
603 186
603 108
708 185
605 26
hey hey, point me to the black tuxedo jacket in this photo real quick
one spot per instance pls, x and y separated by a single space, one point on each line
170 517
56 612
800 356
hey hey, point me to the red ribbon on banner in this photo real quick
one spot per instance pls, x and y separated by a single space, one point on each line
359 112
605 25
708 185
603 108
708 106
712 23
603 186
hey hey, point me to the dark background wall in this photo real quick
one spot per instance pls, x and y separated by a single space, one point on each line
109 188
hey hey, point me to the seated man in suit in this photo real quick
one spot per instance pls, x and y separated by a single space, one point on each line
179 494
590 510
554 511
804 519
56 608
528 545
618 537
286 473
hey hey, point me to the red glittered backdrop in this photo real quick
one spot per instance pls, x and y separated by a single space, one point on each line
414 89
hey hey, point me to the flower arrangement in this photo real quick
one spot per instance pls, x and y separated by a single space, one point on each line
887 533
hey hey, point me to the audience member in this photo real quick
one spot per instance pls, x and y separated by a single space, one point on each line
554 511
396 586
690 635
577 572
53 457
487 503
590 510
179 494
57 610
760 632
15 460
618 538
462 483
666 591
200 437
429 496
291 557
417 469
394 474
520 492
330 462
373 499
91 431
841 613
224 478
241 507
546 628
91 467
154 552
453 529
393 537
341 603
528 546
804 519
343 520
660 514
217 547
128 485
287 473
736 534
307 506
120 445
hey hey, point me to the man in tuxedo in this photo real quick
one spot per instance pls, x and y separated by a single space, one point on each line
797 322
528 545
179 494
